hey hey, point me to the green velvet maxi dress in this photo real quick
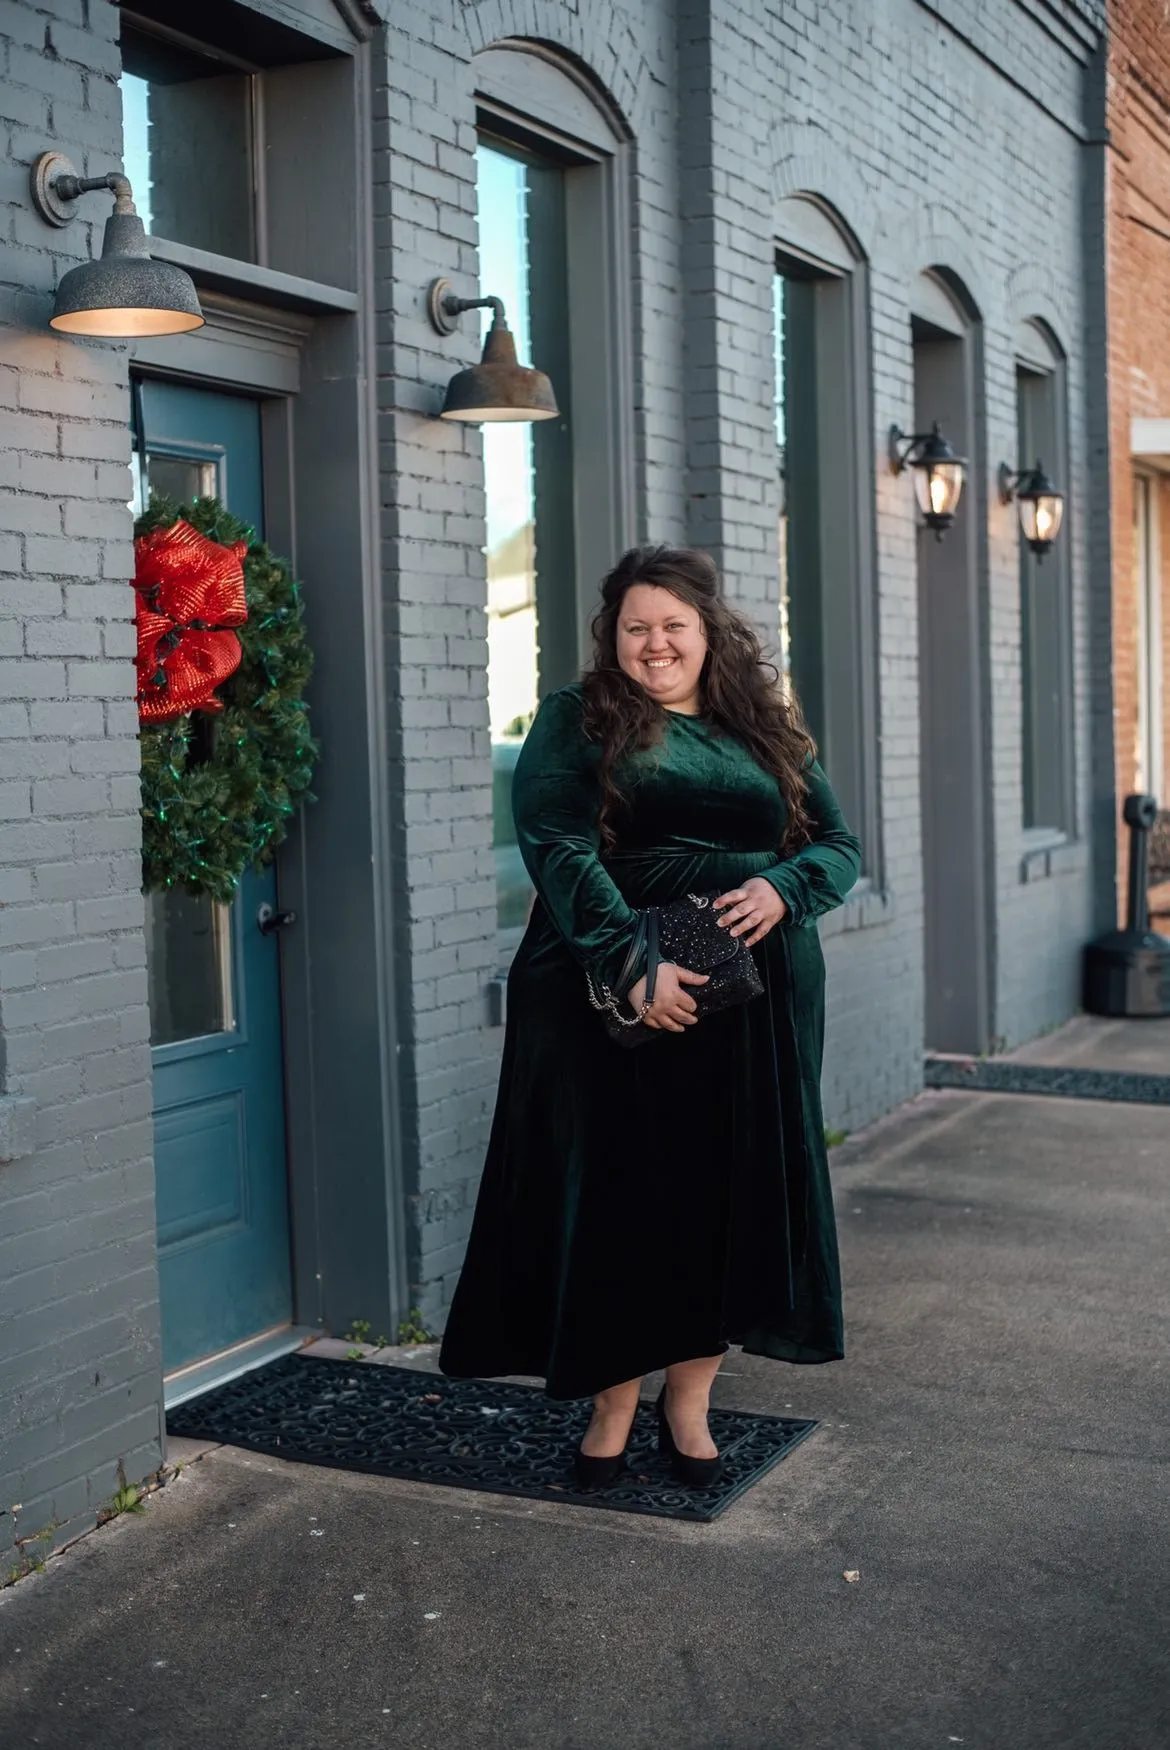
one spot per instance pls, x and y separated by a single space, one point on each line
643 1207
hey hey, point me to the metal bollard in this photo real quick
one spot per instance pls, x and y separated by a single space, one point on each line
1127 972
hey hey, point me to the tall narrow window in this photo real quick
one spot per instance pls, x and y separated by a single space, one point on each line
781 342
554 243
802 411
1148 753
528 477
1045 629
825 502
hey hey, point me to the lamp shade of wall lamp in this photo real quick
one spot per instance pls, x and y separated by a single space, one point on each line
1039 505
938 474
497 388
125 294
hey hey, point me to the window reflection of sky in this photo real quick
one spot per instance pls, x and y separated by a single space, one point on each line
136 142
779 338
507 451
503 256
510 487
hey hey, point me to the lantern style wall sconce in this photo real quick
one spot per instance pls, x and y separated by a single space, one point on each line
497 388
938 474
1039 504
125 294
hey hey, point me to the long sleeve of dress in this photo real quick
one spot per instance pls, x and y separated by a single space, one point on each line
555 805
818 876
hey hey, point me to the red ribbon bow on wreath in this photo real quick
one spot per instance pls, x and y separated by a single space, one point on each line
189 591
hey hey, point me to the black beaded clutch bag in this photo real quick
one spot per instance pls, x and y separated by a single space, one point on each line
684 933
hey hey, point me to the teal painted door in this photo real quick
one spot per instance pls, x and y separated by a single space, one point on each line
214 979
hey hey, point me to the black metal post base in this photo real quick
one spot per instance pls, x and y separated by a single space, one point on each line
1127 973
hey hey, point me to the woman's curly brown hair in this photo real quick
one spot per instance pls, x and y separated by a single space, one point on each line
740 688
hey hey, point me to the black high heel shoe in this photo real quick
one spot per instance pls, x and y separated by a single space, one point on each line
696 1473
597 1473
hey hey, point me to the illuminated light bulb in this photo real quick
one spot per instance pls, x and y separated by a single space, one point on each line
1039 505
938 474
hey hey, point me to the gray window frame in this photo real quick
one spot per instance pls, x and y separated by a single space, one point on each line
529 96
813 245
277 206
957 819
1046 657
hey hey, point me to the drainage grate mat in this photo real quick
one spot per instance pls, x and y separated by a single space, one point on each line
467 1434
1001 1077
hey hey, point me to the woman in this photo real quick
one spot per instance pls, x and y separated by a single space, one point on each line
643 1209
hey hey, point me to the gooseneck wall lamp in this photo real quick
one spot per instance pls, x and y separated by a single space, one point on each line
938 474
1039 505
125 294
497 388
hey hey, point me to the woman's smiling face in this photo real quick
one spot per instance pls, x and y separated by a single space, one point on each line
662 644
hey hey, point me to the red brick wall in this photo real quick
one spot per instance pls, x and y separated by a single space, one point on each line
1139 331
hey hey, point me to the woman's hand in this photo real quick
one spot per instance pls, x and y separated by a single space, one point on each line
672 1009
751 910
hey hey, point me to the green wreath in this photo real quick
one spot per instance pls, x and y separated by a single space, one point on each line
219 792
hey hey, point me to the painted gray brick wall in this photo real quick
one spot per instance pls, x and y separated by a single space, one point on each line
79 1342
730 107
911 86
912 120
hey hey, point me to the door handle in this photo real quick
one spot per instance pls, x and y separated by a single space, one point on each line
270 920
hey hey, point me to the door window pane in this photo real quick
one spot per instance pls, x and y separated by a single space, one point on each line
528 482
187 120
182 478
189 940
177 477
189 967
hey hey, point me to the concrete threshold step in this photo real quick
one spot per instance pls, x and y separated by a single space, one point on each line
1001 1075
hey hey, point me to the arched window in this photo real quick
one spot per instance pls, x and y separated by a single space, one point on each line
553 243
957 819
826 502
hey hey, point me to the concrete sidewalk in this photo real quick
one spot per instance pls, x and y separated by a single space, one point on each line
992 1458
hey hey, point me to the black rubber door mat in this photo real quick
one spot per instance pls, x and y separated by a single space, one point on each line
467 1434
1003 1076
